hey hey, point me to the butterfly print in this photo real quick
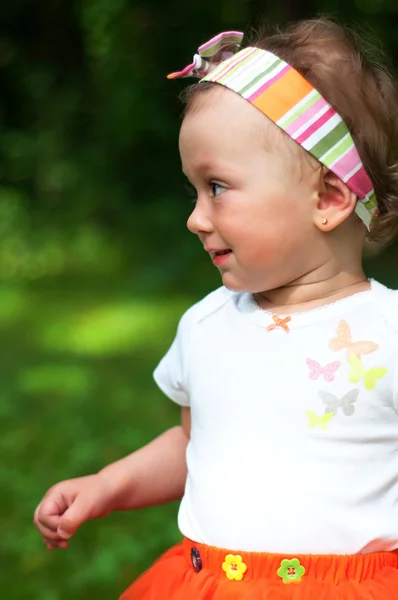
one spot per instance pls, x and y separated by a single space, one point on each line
316 420
359 372
346 403
316 370
344 341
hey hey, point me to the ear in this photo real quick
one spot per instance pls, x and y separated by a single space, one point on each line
336 202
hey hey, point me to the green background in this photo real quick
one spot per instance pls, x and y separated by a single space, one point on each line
96 265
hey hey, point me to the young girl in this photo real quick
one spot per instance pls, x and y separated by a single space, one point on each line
289 468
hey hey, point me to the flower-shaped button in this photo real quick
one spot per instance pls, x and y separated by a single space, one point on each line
291 571
234 567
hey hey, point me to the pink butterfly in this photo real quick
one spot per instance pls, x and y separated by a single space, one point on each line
316 370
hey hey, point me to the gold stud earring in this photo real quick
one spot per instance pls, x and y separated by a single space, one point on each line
324 221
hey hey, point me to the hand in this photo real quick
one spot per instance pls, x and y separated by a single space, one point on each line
68 504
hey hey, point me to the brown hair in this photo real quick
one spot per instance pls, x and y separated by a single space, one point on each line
351 74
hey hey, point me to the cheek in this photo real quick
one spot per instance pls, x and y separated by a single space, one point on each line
266 224
290 219
279 238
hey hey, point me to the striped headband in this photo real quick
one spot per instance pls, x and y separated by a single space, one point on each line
292 103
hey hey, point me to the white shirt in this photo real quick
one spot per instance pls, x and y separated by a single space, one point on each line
294 439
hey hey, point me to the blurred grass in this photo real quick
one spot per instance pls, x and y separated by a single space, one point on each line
76 394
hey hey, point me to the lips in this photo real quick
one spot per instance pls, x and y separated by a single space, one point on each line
220 256
213 252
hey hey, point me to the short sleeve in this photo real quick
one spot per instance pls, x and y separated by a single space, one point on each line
170 372
387 305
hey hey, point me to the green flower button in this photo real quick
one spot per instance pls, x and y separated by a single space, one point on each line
291 571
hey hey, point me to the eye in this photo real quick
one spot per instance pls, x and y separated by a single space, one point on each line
216 188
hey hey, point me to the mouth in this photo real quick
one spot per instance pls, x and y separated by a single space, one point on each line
220 256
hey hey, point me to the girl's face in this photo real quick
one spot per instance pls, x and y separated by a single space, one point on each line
256 196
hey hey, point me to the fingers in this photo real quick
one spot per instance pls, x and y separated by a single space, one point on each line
50 509
45 523
64 508
49 534
46 518
54 504
77 513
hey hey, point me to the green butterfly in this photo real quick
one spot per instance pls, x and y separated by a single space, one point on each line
359 372
314 420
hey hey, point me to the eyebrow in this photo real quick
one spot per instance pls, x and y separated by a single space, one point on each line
206 166
200 168
203 166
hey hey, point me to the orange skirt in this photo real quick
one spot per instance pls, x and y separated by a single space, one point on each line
191 571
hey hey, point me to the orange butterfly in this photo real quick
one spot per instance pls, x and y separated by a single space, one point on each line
344 340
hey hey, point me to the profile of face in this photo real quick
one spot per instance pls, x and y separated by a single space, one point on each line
256 196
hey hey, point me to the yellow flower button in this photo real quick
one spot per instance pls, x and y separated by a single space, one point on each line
234 567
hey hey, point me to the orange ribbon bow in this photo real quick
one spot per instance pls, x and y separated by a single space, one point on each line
278 322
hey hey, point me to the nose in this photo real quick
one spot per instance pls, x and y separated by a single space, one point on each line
199 220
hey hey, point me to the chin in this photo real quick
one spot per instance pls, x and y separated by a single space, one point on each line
240 285
233 284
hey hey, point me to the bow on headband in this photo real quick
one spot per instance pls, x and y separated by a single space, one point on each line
290 101
201 65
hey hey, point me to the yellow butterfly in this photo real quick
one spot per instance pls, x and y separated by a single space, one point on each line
359 372
314 420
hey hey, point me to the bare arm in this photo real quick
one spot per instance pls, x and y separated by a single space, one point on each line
154 474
